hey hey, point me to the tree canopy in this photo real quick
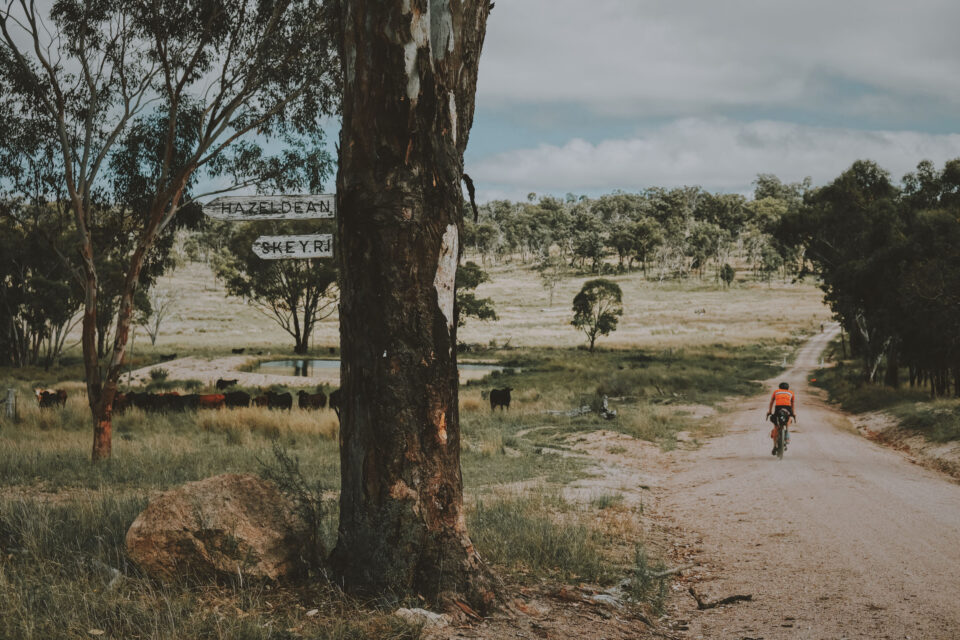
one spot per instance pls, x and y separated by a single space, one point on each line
597 308
889 262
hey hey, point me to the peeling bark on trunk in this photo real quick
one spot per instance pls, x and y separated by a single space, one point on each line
102 388
410 72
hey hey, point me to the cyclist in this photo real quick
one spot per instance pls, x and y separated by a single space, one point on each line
781 398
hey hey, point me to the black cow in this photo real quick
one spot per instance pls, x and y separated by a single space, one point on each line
187 402
236 399
335 401
240 350
316 400
168 356
137 399
225 384
279 400
500 398
49 398
171 401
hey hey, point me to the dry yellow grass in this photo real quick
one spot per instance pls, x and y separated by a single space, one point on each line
269 423
655 314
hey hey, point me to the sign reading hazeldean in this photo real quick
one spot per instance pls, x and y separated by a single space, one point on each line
243 208
283 207
279 247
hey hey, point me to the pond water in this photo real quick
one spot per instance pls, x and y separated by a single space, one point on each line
309 367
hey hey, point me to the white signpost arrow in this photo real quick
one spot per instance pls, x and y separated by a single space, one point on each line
280 247
242 208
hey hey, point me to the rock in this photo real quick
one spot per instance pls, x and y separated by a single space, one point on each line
428 619
223 527
607 600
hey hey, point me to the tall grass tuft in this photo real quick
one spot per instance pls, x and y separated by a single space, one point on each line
653 423
643 584
522 534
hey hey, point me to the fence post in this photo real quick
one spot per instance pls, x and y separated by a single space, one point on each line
10 406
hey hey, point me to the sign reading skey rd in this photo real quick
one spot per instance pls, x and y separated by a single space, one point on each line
240 208
279 247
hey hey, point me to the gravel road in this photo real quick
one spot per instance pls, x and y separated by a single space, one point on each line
843 538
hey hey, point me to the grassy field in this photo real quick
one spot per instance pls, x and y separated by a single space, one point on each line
205 321
62 520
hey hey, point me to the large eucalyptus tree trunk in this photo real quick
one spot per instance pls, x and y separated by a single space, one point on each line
410 74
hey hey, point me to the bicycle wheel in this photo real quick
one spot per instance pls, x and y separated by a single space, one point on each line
781 430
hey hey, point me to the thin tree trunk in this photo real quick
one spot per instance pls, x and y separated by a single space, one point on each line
892 376
102 427
410 71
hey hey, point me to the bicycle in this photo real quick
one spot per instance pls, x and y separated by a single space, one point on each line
782 419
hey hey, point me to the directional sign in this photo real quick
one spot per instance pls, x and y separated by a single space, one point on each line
240 208
279 247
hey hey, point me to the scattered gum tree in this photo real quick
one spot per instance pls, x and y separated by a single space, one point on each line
296 294
161 306
409 81
727 275
552 271
597 308
193 85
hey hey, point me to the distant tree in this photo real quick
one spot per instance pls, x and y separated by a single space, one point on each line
727 274
767 185
38 304
296 294
469 277
623 242
647 238
552 271
597 308
161 304
703 244
587 239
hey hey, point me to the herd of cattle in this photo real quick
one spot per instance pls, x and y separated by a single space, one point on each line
173 401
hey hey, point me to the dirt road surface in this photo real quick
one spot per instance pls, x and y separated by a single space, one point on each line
843 538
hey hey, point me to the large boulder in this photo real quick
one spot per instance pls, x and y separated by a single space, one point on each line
221 528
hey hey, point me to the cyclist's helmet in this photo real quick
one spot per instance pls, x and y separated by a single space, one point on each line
784 385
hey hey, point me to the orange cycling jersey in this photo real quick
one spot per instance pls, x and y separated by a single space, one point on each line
782 398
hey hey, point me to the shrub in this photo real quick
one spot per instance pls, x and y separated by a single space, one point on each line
644 585
316 511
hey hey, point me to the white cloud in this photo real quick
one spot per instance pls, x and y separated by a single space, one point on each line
690 57
717 154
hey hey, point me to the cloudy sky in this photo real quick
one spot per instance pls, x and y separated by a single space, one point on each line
587 97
